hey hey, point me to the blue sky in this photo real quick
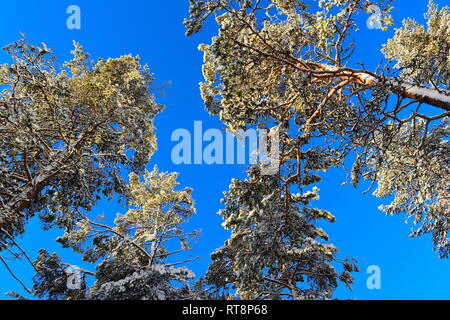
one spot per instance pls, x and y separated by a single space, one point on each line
154 30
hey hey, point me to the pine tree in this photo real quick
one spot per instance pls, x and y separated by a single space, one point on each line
67 137
288 64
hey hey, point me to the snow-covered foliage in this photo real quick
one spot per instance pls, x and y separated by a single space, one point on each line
276 249
66 134
423 52
151 283
416 172
133 254
287 63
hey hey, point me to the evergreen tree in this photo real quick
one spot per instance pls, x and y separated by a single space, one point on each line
288 65
66 139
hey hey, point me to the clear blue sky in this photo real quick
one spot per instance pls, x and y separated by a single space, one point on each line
154 30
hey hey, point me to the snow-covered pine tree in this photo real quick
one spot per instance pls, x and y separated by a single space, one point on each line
67 137
290 64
